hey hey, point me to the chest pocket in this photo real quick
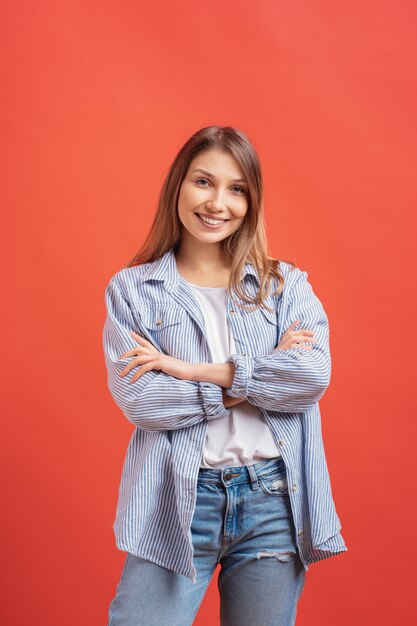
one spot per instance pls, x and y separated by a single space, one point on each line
163 326
261 329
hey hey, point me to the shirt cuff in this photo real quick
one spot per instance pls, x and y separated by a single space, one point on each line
242 377
213 400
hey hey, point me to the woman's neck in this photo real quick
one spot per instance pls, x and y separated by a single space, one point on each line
203 272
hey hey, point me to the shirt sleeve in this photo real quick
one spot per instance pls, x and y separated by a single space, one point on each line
291 380
156 401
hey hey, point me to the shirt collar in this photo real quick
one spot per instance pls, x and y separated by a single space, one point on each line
165 269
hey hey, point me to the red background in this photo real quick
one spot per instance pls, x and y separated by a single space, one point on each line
97 99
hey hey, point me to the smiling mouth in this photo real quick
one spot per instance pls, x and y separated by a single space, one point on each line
211 220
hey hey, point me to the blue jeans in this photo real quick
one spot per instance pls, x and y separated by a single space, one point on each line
242 520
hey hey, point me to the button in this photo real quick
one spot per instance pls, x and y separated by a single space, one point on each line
295 487
228 475
300 532
159 321
281 442
232 310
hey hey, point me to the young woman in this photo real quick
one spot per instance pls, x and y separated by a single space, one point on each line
218 354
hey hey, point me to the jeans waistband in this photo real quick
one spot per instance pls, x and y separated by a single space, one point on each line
242 473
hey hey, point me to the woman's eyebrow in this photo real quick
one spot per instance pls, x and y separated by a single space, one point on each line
234 180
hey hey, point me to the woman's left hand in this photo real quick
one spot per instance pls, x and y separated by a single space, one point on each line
149 358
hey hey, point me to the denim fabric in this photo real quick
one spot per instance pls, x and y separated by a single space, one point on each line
243 521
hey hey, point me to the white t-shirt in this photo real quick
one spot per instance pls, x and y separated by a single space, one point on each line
243 438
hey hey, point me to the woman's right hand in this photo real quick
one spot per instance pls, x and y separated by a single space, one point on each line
296 338
228 401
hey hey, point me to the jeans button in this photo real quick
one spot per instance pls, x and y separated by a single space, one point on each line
228 475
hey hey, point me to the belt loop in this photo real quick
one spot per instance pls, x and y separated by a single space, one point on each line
253 477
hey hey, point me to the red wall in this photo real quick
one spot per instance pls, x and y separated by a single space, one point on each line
97 99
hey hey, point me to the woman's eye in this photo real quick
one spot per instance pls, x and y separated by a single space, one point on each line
202 180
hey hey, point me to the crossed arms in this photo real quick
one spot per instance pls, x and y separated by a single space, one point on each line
290 379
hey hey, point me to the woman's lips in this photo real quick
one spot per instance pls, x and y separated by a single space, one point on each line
211 226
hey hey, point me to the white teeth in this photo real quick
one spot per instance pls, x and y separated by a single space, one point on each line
210 220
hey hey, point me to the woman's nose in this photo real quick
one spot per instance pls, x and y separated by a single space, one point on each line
216 201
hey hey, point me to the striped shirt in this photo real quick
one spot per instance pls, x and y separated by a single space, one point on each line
158 487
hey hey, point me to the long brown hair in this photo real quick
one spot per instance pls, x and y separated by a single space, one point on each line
248 244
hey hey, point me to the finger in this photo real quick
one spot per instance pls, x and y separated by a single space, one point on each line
140 360
300 330
299 336
307 346
144 343
303 340
303 331
137 350
130 366
141 340
145 368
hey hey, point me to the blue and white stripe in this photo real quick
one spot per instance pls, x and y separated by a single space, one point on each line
157 492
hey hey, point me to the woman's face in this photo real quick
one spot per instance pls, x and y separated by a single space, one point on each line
213 189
